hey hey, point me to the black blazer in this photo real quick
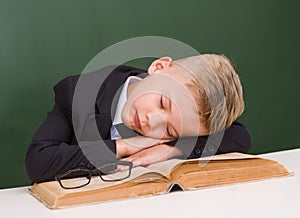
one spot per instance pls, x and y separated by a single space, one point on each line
54 148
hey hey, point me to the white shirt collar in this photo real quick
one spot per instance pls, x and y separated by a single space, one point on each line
123 99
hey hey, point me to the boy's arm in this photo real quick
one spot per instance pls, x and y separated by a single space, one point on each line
236 138
52 150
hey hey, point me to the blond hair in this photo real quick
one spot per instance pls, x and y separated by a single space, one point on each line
216 89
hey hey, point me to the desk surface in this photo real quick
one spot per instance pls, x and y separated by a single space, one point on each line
269 198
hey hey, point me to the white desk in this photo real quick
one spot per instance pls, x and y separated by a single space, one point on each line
270 198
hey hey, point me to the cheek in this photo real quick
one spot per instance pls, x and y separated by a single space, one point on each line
126 112
157 134
142 104
144 101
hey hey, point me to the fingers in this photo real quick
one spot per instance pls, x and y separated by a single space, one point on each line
154 154
141 150
162 141
148 156
136 144
135 159
121 168
143 141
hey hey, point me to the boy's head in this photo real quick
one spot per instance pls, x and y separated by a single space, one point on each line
192 96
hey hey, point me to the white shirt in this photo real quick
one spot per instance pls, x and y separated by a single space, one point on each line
121 102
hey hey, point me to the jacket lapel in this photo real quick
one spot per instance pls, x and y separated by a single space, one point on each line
108 97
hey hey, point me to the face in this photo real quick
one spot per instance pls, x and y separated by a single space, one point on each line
153 114
160 106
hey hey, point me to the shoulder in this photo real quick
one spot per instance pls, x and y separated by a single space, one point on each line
114 74
238 137
112 71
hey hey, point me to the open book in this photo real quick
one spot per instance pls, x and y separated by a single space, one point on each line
161 178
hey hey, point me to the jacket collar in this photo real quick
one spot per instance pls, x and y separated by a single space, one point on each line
108 96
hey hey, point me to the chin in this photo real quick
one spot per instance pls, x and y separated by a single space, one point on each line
128 123
129 120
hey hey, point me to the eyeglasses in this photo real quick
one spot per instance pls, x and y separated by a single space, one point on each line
106 171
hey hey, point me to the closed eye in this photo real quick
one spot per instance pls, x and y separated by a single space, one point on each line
161 102
169 133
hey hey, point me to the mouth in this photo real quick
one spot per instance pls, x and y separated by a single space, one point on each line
137 121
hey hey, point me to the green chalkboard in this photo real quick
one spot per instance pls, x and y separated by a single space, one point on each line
42 41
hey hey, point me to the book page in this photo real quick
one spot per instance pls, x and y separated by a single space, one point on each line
142 174
166 167
228 156
97 183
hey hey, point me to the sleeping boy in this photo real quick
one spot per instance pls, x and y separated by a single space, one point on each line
185 108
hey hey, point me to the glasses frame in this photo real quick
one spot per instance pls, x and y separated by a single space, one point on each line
93 172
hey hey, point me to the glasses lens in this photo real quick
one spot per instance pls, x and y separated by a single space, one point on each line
69 180
115 171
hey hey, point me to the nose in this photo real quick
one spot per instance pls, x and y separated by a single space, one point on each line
157 121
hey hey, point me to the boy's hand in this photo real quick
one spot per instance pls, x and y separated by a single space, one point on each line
154 154
130 146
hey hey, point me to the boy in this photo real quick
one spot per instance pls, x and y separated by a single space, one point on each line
178 100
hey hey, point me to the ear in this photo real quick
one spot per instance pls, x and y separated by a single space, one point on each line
160 64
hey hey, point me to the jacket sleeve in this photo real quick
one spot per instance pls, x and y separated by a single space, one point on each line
54 148
235 139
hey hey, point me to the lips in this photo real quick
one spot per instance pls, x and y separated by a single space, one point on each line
137 121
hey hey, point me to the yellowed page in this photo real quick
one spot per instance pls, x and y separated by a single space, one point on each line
97 182
166 167
155 171
228 156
